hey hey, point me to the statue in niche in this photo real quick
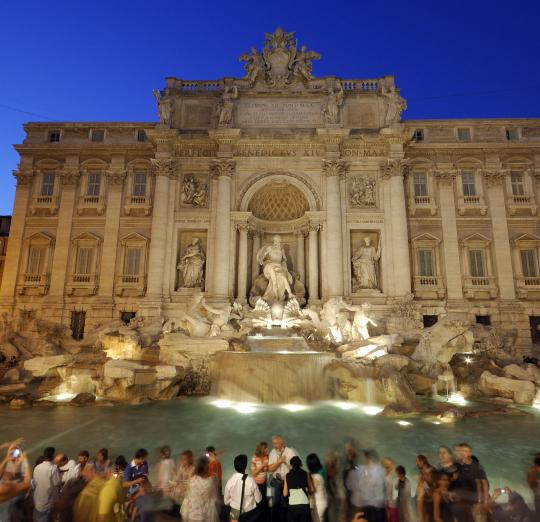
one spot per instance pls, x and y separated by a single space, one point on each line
364 263
165 108
191 265
362 192
332 103
194 192
226 106
254 66
395 105
274 262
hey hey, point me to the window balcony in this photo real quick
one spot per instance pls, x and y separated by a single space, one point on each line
130 285
44 205
472 205
82 284
429 287
528 287
33 284
138 205
480 287
91 205
422 205
522 205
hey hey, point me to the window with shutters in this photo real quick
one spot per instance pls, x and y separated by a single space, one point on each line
36 260
47 184
139 184
133 261
93 184
468 183
477 263
529 263
85 257
518 185
420 184
464 134
425 263
131 279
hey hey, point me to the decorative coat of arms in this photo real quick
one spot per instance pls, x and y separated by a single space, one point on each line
281 62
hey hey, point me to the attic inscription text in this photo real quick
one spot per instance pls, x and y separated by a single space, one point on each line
279 113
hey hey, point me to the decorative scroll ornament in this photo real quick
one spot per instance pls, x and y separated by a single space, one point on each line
445 177
70 175
223 168
495 177
116 176
23 176
395 167
280 62
163 167
335 168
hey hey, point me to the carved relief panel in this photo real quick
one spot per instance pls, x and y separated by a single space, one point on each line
194 191
362 191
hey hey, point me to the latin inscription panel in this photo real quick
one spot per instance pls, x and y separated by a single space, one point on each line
262 113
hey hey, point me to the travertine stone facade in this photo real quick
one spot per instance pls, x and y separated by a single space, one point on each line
5 222
122 218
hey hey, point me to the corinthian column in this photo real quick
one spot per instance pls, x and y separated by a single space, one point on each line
241 284
452 266
333 170
301 256
69 178
393 171
313 268
501 241
115 181
223 170
254 261
16 233
163 169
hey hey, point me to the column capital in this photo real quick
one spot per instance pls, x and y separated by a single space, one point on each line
333 168
69 176
163 166
23 176
302 231
314 227
495 177
395 167
243 227
225 168
445 176
116 176
534 173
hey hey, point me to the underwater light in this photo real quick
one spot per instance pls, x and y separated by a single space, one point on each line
222 403
404 423
372 410
294 407
244 407
344 405
457 398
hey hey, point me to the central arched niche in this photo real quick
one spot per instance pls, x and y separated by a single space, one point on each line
278 201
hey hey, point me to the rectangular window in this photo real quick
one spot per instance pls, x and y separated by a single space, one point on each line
133 261
476 263
85 256
518 187
47 184
141 136
139 184
483 319
94 182
54 136
98 136
512 134
36 260
464 134
418 135
425 262
77 325
529 263
468 184
420 184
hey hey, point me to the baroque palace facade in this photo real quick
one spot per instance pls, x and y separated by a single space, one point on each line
116 219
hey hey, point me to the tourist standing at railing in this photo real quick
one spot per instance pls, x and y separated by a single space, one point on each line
424 489
185 471
259 471
404 500
279 464
47 484
297 488
242 494
390 491
442 500
201 502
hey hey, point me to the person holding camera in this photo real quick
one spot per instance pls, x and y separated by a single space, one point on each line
279 464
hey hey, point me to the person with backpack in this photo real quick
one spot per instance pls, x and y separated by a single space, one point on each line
242 495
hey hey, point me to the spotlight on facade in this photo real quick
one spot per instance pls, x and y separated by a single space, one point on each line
468 360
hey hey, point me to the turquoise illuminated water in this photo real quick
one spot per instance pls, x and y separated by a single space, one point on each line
503 444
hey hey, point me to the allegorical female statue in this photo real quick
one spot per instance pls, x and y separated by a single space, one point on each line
191 265
364 263
274 262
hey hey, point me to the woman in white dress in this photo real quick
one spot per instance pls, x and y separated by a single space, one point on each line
319 499
200 504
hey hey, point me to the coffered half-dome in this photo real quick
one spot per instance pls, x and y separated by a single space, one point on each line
278 201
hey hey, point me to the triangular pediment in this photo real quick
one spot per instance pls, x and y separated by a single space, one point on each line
527 238
135 237
426 237
476 238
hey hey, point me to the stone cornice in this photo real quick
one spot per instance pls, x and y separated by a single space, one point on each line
223 167
332 168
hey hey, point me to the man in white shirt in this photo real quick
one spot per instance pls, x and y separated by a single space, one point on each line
279 464
46 486
232 496
68 468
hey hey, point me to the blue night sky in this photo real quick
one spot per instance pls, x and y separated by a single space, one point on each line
99 61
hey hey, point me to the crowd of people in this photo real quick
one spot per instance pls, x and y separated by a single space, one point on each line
273 485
